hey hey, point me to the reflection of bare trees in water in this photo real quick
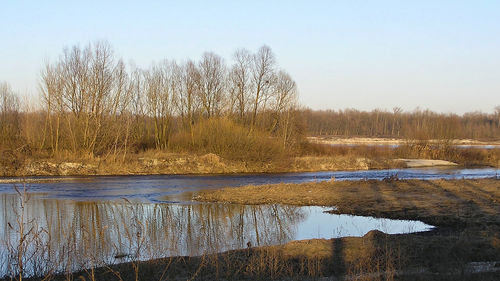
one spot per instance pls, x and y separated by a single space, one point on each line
23 246
72 235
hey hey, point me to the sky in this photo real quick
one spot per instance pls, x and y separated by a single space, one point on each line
438 55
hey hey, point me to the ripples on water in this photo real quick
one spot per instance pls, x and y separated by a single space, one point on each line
179 188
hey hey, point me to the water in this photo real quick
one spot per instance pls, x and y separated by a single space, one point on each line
179 188
320 224
80 222
70 235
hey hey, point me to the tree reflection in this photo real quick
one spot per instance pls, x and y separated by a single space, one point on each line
88 234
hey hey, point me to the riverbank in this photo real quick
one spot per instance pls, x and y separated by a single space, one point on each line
163 163
314 155
465 245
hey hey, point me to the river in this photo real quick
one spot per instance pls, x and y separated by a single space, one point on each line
179 188
79 222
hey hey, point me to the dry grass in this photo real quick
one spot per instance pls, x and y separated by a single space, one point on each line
233 149
161 162
416 149
375 256
232 141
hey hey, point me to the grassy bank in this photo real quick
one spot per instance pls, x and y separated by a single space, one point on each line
450 203
221 146
375 256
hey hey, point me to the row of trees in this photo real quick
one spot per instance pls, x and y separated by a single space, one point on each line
92 103
419 124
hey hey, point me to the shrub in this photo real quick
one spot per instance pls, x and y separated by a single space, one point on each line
229 140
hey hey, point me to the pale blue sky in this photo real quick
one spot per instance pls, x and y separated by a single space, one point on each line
441 55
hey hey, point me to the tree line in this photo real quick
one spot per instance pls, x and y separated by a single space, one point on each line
92 103
417 124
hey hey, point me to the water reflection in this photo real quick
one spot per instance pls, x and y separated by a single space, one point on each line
66 235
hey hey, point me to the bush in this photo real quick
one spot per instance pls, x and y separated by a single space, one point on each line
229 140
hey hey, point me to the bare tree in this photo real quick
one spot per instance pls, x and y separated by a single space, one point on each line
52 89
262 77
93 106
9 115
284 92
119 112
239 80
9 102
187 101
497 113
138 131
85 86
102 90
284 102
160 100
396 111
211 84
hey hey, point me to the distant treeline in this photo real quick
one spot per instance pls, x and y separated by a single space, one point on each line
418 124
91 104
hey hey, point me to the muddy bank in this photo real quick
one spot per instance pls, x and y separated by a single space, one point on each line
185 164
468 255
